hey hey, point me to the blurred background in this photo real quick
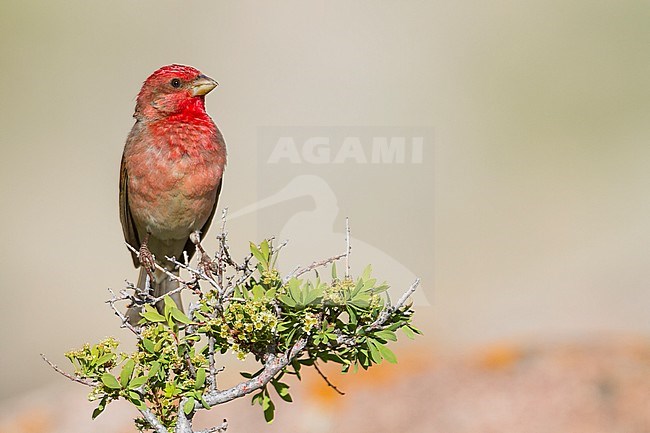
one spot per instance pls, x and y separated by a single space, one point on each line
526 215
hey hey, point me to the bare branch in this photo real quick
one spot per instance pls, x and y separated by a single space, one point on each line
222 246
195 272
299 271
56 368
153 421
184 422
125 321
273 366
402 300
219 429
385 314
348 248
282 245
179 289
213 370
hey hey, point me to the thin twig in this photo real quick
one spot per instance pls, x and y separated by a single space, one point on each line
213 370
299 271
197 273
386 312
125 321
282 245
69 376
348 248
222 245
179 289
327 381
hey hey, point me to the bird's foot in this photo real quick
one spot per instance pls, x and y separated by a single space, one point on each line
147 260
205 262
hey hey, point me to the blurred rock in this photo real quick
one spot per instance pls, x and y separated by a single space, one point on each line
591 387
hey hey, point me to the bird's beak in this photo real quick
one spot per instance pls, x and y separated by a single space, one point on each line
203 85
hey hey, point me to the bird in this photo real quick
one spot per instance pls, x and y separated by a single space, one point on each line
170 176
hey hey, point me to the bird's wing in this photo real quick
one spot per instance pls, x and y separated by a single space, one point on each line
189 245
128 225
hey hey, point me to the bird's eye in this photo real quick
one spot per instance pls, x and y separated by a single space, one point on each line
176 83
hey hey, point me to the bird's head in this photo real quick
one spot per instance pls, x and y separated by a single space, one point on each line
173 89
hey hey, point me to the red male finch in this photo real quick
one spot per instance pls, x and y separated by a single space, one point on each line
170 177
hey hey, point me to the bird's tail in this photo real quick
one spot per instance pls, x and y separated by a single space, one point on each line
161 284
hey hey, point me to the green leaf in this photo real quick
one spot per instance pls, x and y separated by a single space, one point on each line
104 359
264 247
137 382
287 300
169 303
257 253
334 271
258 398
353 316
126 373
295 292
136 399
366 272
283 390
258 292
312 295
408 332
269 409
386 335
357 288
387 354
200 378
200 317
375 353
99 409
382 288
148 344
110 381
362 300
369 283
180 317
151 315
188 407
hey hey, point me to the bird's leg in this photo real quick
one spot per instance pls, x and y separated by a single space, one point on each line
204 260
147 260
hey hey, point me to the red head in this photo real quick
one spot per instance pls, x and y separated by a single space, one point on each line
173 89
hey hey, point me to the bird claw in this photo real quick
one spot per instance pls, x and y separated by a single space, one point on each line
147 260
205 262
